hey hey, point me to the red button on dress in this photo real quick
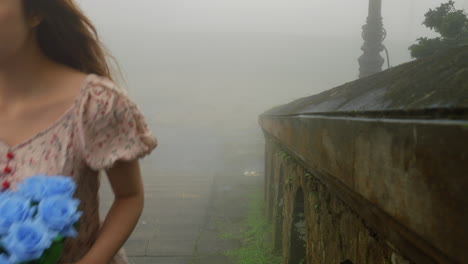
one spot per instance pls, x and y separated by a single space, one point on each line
7 170
5 185
10 155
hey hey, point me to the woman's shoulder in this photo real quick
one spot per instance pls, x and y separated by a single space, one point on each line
110 125
95 83
101 94
101 99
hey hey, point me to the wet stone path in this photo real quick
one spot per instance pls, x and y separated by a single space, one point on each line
175 211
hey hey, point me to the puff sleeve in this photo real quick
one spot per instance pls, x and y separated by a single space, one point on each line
110 126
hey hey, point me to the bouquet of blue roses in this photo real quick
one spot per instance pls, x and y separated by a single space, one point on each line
36 218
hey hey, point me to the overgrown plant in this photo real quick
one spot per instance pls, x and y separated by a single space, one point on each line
284 156
289 181
450 23
256 247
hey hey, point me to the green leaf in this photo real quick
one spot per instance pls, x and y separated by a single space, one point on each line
52 255
59 238
450 23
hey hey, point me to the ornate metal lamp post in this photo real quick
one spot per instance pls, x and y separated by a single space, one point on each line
373 34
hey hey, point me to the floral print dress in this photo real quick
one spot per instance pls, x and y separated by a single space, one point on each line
103 125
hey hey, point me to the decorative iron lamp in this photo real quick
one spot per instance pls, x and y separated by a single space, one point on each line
371 61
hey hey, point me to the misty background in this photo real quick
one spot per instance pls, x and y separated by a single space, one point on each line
203 71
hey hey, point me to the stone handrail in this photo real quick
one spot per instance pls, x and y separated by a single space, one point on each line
392 148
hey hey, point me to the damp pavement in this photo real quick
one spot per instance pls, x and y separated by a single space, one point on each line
181 220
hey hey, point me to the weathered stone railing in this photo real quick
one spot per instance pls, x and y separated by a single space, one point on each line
374 171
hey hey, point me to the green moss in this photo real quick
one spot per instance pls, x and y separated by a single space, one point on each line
289 180
283 155
256 248
317 206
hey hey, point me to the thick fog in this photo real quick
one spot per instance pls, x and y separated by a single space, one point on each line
203 70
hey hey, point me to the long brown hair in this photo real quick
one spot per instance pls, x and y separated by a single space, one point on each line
68 37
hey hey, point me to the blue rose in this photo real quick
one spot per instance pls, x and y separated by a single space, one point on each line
42 186
34 187
13 209
26 241
60 185
4 259
59 214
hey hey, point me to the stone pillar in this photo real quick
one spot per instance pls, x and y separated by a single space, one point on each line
373 34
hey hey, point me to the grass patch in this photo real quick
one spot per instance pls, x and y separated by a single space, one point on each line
256 247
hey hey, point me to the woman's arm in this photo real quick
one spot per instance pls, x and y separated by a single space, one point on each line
126 182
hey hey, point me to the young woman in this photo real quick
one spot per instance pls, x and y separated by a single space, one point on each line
60 114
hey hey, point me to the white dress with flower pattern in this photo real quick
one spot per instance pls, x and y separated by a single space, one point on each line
103 125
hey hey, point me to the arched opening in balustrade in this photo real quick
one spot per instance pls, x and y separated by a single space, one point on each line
298 231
